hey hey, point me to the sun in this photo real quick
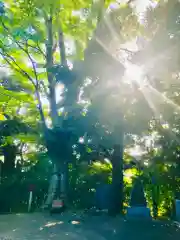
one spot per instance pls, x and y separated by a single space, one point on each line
133 73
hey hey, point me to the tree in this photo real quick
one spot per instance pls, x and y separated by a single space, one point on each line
105 98
33 47
160 29
112 109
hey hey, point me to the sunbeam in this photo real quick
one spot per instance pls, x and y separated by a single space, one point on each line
134 72
153 97
108 50
165 98
139 72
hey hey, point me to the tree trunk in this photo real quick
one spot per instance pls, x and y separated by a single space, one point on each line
58 186
62 48
116 205
49 68
52 188
57 141
155 196
117 180
8 167
53 109
65 181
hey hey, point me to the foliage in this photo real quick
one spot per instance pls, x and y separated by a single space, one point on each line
76 114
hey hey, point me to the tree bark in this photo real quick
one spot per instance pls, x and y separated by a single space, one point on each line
49 69
62 48
52 187
52 97
8 167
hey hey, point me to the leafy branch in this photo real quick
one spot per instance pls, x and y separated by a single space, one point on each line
37 48
11 62
5 56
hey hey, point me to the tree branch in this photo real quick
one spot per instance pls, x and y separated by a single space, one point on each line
40 50
62 47
130 1
37 89
35 48
19 45
127 50
55 46
5 56
25 73
33 64
49 66
101 11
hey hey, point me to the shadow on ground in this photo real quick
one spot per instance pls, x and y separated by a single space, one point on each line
69 226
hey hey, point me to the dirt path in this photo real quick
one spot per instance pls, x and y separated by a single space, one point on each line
38 226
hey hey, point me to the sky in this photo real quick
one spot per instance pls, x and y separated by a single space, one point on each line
140 5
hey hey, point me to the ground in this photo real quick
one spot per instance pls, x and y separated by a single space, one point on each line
69 226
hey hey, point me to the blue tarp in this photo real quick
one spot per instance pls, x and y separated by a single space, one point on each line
139 212
103 196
